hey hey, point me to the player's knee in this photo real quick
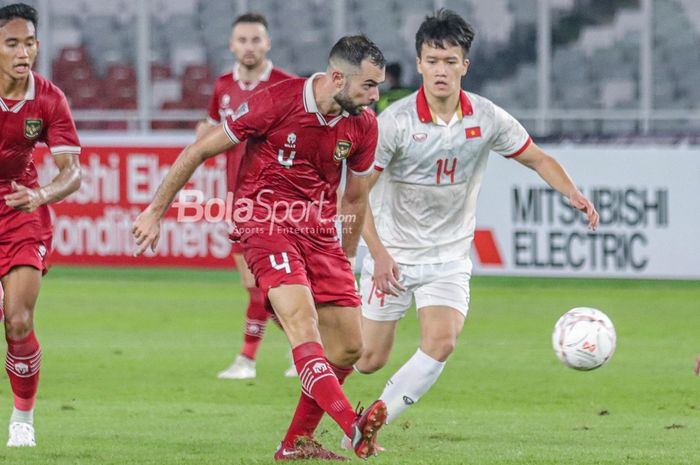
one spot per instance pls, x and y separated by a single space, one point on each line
439 349
352 353
370 362
18 323
301 329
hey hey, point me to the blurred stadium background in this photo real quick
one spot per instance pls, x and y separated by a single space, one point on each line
566 68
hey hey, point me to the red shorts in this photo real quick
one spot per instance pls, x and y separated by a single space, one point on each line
25 238
316 262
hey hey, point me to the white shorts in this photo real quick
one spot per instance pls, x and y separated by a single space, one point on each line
443 284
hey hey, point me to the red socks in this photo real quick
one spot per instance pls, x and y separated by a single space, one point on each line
22 364
255 322
321 391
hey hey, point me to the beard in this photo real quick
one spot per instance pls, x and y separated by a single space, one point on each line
343 99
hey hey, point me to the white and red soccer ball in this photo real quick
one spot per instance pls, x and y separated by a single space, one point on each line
584 338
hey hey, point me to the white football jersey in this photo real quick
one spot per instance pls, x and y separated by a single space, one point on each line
425 200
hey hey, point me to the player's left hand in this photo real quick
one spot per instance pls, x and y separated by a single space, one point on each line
24 199
146 231
579 201
697 366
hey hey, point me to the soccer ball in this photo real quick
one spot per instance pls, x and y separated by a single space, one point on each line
584 338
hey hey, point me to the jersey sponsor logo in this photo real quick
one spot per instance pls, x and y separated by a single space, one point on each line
32 128
408 401
41 251
473 133
420 137
240 111
342 150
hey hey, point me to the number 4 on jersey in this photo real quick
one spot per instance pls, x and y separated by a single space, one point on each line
444 170
284 265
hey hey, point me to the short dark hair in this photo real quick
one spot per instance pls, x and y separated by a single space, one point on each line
446 28
355 49
394 68
250 17
18 10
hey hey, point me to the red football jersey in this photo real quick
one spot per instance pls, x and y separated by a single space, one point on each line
42 116
294 156
229 93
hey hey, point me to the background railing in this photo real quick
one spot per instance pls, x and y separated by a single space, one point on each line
566 68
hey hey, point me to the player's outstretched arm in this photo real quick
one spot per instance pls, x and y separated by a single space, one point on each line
65 183
556 176
146 229
386 271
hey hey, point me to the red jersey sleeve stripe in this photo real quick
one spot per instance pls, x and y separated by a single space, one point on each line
522 149
230 134
64 149
363 173
378 168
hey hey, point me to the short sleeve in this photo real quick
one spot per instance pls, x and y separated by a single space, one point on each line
252 118
61 134
510 137
362 161
213 116
387 143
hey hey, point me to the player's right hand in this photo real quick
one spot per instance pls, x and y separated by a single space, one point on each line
146 231
386 275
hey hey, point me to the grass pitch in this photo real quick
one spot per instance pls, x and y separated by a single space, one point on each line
131 356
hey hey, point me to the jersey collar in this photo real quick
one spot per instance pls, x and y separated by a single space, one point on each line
265 76
426 115
31 92
310 103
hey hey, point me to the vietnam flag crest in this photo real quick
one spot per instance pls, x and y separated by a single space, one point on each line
473 133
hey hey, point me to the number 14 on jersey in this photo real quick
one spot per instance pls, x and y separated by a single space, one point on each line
446 172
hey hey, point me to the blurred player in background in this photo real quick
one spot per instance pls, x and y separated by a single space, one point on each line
395 90
250 44
431 157
299 133
697 366
32 110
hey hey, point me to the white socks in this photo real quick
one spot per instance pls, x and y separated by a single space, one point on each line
409 384
21 416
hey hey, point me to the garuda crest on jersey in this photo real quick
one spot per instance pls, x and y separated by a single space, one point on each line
32 128
342 150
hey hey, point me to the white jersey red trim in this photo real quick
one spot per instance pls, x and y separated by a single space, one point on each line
425 201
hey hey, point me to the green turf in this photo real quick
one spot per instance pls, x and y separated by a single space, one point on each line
130 358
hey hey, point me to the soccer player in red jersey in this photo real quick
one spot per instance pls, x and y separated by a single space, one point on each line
299 133
32 110
250 44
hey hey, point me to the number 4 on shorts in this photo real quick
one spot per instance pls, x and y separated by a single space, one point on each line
284 265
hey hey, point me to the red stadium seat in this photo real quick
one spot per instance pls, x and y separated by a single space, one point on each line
161 71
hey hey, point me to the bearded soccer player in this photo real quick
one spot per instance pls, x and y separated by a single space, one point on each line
250 43
299 132
32 110
430 160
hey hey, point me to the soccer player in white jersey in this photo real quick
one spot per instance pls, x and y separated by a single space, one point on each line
431 157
